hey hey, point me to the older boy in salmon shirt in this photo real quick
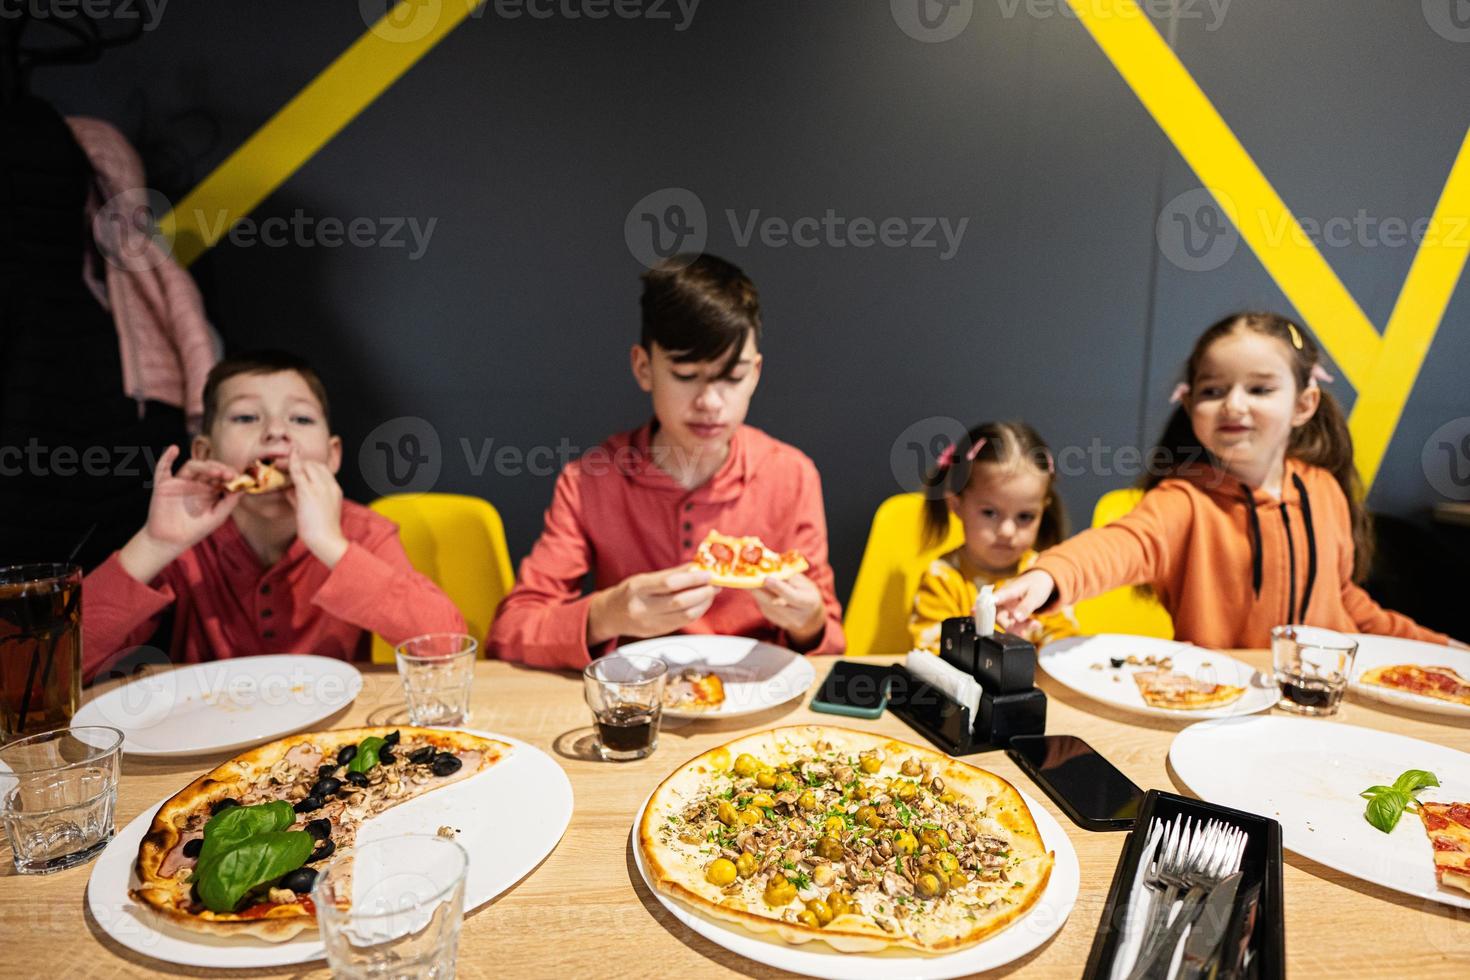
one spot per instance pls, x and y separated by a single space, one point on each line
634 510
296 570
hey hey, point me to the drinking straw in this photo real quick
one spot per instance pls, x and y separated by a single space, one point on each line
53 635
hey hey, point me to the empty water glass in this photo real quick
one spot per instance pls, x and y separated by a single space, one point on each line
58 791
437 670
393 908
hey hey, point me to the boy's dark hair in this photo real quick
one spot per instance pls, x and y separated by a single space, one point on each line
1323 441
1001 444
699 308
260 362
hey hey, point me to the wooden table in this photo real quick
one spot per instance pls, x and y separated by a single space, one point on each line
585 911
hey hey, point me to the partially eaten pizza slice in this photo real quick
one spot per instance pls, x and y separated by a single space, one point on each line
1438 682
260 476
1448 827
693 689
1178 691
745 562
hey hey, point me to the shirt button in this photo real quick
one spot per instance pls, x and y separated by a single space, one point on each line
688 527
688 543
268 635
265 614
689 506
265 589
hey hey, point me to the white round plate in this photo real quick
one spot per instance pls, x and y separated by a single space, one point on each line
816 959
1071 662
505 843
1307 773
223 705
756 675
1386 651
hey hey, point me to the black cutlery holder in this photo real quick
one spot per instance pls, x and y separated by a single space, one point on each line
1260 868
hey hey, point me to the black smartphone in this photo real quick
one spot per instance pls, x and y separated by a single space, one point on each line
856 690
1086 786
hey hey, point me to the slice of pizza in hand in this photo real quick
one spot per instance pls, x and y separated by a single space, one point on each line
236 852
744 563
260 476
1448 827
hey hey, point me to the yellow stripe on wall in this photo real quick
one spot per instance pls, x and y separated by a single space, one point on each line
1382 369
390 47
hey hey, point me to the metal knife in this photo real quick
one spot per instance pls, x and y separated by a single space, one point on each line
1209 929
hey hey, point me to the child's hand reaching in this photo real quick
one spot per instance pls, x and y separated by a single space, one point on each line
186 507
1020 597
317 497
793 605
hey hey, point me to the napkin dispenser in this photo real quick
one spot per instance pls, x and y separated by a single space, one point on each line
1010 703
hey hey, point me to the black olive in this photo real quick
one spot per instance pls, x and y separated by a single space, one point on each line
321 828
386 756
224 804
323 851
193 847
1117 662
346 754
300 880
422 756
357 778
392 738
322 772
326 787
309 804
445 764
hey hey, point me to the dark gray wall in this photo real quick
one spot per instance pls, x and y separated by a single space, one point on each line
528 141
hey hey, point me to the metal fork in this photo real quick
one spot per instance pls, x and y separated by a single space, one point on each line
1215 852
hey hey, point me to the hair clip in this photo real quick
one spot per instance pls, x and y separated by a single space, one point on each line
946 458
1320 375
1296 335
1180 392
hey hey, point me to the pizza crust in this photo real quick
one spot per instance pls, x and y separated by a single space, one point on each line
167 897
675 875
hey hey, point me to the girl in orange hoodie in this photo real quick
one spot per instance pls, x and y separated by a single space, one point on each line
1254 515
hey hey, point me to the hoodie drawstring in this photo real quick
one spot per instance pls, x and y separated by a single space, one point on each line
1256 558
1301 488
1255 535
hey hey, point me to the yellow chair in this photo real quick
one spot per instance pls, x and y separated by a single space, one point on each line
1122 610
877 617
459 542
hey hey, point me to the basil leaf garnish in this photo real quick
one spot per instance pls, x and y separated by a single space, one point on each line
1415 779
367 754
1385 809
234 826
265 857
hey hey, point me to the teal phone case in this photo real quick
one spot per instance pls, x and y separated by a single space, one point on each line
848 710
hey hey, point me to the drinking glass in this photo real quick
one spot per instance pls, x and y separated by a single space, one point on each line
437 670
40 647
625 693
1312 668
58 791
393 907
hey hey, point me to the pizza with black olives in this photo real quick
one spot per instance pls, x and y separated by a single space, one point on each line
850 838
236 852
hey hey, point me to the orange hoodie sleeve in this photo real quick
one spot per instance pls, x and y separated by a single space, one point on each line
1370 617
1139 548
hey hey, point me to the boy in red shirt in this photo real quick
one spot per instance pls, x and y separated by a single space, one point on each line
296 570
634 510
